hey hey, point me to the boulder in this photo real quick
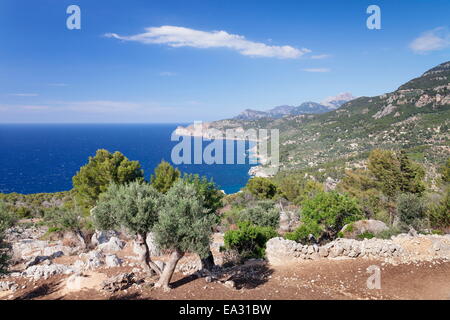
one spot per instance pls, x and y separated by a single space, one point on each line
113 245
112 261
100 237
352 230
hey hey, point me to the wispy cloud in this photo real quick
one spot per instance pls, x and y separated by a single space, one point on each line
167 74
320 56
432 40
317 70
23 94
174 36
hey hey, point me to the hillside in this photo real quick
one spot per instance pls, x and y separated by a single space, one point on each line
415 117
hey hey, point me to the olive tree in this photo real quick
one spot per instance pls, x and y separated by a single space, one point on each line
133 206
183 226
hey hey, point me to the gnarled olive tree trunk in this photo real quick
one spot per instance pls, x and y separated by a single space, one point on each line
169 269
144 255
208 262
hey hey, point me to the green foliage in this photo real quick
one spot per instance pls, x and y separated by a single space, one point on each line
396 173
208 190
411 211
360 185
324 215
263 213
184 223
102 170
385 168
6 221
297 189
262 188
134 206
365 235
249 240
446 171
33 205
303 233
387 234
164 177
61 218
439 213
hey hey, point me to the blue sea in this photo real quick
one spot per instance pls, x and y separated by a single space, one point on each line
38 158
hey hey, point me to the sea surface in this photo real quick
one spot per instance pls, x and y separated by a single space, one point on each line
38 158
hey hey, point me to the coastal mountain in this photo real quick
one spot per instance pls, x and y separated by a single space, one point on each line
415 117
304 108
337 101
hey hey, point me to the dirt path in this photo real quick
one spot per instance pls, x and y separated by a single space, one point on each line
324 279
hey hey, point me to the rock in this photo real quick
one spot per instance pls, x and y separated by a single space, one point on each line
44 271
101 237
39 259
8 285
412 232
354 229
112 261
113 245
230 284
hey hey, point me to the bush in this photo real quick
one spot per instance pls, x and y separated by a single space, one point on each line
411 211
263 213
63 219
308 232
439 213
324 215
249 240
6 221
262 188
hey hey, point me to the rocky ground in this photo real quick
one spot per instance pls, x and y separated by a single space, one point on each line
108 269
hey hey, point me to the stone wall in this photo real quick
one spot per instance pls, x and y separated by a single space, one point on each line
280 251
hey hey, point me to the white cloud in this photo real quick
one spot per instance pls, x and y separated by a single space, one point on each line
432 40
321 56
174 36
317 70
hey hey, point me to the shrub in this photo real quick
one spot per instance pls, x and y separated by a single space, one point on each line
249 240
439 214
365 235
263 213
6 221
308 232
410 211
324 215
262 188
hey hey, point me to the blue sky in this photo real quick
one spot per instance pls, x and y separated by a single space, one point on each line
165 61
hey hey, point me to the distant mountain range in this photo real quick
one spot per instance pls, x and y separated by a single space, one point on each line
309 107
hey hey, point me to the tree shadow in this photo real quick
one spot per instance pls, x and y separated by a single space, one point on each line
129 296
41 291
183 281
250 276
